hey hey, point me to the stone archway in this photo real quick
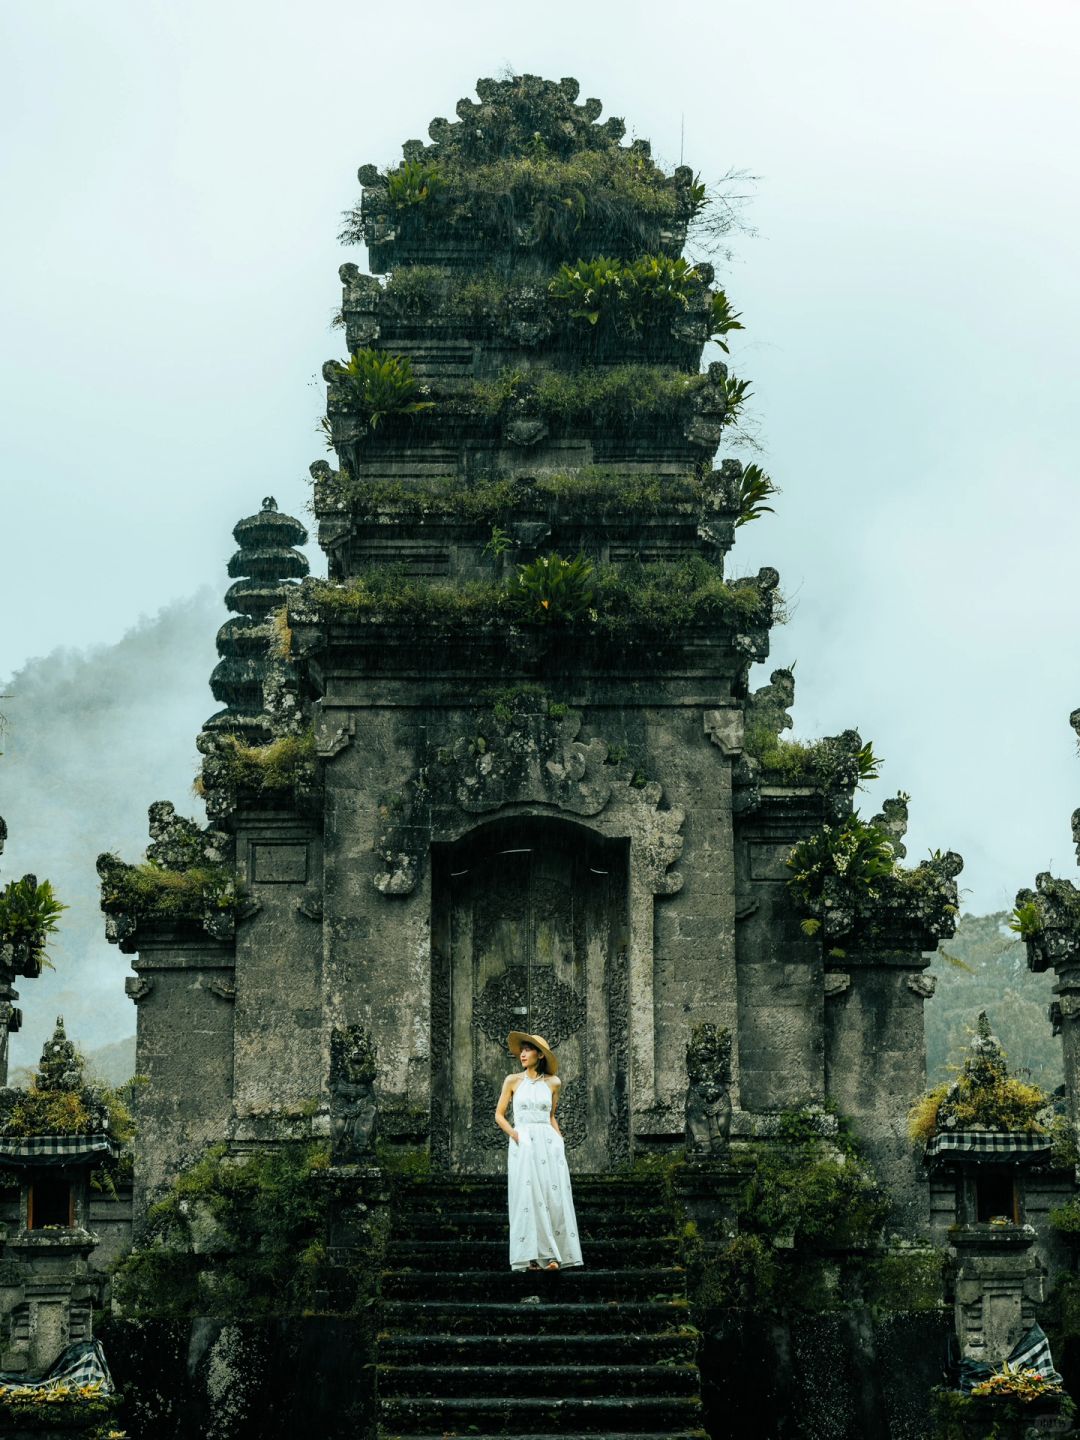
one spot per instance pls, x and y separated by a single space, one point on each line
530 931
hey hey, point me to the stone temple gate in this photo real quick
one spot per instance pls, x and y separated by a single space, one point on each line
505 768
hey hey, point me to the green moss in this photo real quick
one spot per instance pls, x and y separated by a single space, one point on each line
151 890
84 1111
591 489
667 597
976 1417
619 397
807 1233
266 769
906 1280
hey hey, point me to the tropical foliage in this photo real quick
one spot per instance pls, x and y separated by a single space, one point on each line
552 589
380 384
29 912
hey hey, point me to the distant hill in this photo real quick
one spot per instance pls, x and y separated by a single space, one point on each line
984 967
91 738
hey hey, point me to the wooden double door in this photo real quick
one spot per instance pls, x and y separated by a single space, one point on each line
529 933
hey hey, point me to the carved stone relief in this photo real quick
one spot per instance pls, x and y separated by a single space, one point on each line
536 761
497 1009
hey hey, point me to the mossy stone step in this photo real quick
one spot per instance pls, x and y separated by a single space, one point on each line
491 1224
579 1381
528 1414
558 1348
583 1284
554 1313
563 1435
474 1254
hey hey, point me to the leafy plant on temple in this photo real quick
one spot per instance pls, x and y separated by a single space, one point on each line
552 589
381 384
755 487
29 913
414 182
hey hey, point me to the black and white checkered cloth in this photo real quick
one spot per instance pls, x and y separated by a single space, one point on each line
82 1363
54 1149
992 1147
1032 1352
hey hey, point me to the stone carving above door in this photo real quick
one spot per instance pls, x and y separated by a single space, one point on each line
537 761
498 1008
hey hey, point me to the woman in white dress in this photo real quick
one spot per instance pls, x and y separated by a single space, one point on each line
543 1226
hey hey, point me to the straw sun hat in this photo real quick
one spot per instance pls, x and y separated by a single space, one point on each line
517 1038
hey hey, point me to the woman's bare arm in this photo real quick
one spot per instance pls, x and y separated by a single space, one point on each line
554 1084
500 1109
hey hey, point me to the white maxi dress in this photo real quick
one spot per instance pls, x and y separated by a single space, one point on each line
543 1225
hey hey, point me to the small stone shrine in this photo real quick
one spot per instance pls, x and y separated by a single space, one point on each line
51 1137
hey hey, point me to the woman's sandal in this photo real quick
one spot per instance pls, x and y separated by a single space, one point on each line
534 1264
552 1265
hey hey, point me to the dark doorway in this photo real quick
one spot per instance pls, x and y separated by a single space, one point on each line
529 933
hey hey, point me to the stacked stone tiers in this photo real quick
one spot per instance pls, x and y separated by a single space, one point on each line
264 567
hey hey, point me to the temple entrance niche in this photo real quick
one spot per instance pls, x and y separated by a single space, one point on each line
530 933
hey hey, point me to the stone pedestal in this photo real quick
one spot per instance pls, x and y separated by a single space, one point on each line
47 1293
999 1282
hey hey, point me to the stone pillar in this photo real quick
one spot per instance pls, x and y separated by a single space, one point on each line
875 1066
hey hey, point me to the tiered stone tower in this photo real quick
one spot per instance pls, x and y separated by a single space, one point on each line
542 792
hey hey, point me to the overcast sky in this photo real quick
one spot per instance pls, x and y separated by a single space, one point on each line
172 177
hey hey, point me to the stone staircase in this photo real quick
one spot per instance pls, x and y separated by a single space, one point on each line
471 1349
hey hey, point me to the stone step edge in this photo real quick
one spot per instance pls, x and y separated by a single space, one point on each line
562 1435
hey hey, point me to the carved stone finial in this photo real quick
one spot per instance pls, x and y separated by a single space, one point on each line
353 1106
767 708
708 1102
893 819
269 503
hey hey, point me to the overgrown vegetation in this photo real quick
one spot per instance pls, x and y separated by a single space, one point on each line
236 1237
983 1095
587 489
848 880
629 297
621 397
537 200
660 599
59 1405
857 853
265 769
823 762
808 1233
755 487
551 589
151 889
380 385
1000 1408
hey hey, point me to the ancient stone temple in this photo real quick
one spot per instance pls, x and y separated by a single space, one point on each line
505 768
